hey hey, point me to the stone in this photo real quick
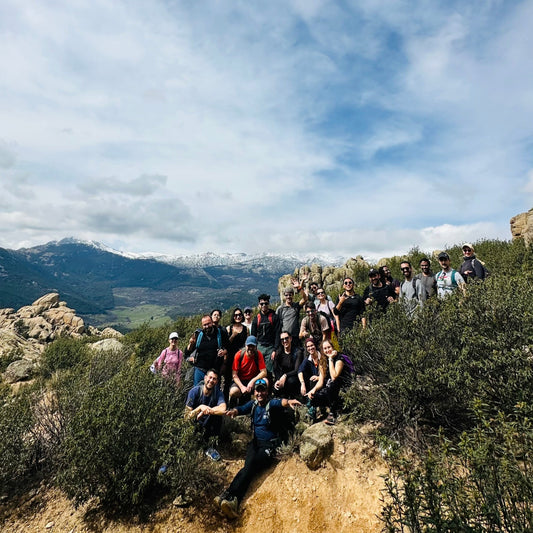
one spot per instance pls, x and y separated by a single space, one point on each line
316 445
38 328
522 227
20 370
111 333
107 345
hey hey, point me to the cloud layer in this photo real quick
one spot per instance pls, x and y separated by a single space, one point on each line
351 128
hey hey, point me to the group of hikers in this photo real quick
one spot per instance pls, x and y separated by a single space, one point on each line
236 368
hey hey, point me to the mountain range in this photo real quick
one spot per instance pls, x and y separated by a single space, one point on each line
96 280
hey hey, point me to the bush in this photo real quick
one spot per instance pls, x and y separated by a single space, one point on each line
17 444
62 354
484 483
430 369
122 431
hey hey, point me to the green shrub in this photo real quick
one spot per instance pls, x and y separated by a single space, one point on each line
121 432
17 443
482 483
430 369
62 354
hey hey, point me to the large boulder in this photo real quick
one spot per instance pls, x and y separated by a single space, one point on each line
107 345
316 445
522 227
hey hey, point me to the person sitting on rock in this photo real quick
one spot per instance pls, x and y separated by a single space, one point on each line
248 367
205 404
286 367
336 377
265 418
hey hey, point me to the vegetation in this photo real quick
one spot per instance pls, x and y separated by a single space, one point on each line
450 388
454 384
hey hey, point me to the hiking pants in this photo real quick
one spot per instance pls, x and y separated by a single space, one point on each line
259 456
328 396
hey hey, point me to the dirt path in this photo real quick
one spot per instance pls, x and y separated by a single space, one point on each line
342 496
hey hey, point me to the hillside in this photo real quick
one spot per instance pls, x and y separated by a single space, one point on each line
343 496
104 285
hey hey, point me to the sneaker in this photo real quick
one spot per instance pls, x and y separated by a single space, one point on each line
330 420
212 454
218 499
230 507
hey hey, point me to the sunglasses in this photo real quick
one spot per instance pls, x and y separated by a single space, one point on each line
284 339
405 269
320 292
237 315
348 283
263 303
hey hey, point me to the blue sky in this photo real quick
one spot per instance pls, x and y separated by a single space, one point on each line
306 126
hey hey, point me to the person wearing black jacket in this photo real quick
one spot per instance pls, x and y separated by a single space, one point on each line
286 367
266 328
471 268
207 349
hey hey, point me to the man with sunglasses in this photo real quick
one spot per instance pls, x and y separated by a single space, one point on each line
286 367
265 418
412 291
266 328
350 307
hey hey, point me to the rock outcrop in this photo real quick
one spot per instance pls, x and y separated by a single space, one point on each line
316 445
25 333
328 277
522 227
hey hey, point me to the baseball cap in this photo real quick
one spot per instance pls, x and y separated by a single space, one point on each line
251 339
173 335
443 255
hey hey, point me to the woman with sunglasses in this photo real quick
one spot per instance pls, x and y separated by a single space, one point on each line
237 334
350 307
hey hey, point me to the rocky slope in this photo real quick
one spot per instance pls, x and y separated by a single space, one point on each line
25 333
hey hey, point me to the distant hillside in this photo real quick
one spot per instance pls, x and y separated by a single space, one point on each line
97 281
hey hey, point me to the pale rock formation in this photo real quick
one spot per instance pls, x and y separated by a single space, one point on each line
522 227
24 334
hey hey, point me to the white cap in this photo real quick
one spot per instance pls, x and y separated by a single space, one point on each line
173 335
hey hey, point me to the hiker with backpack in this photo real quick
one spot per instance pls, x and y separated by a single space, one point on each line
338 376
266 327
412 291
266 419
248 367
326 308
170 360
207 348
378 291
448 279
205 405
472 268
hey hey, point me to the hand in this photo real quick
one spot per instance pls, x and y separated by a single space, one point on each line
368 301
293 403
231 413
390 299
311 393
313 378
273 355
303 390
190 359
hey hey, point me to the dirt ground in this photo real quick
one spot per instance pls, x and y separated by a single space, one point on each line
341 496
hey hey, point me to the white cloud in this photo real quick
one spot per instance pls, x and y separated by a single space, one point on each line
273 127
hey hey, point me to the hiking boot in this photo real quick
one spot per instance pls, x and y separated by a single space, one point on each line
222 496
212 454
230 507
331 420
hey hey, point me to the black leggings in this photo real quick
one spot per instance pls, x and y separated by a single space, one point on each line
259 456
